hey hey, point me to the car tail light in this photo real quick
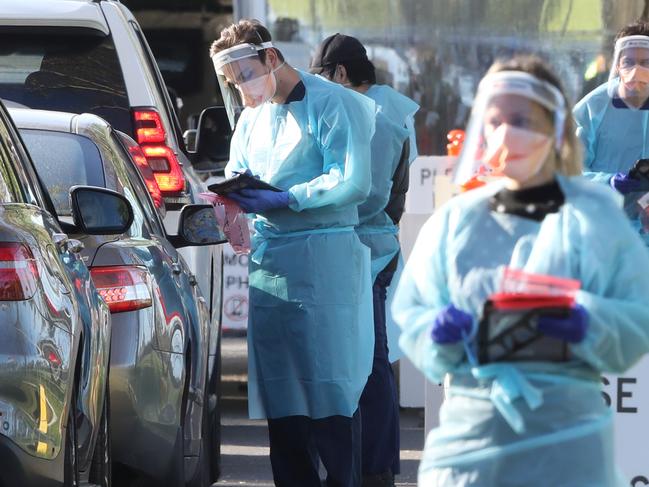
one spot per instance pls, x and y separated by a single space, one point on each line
149 179
124 288
18 272
151 135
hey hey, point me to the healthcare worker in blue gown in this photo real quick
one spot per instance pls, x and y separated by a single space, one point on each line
613 121
343 59
542 421
310 335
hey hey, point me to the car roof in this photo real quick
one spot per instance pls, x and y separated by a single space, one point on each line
53 13
83 124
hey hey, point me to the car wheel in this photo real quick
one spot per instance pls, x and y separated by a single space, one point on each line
71 468
101 469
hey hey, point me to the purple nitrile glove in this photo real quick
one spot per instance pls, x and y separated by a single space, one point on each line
260 200
449 325
571 329
624 184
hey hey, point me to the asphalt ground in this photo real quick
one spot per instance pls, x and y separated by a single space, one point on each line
244 447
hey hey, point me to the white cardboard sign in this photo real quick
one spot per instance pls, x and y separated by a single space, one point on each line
235 290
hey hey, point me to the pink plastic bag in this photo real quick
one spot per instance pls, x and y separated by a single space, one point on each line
232 220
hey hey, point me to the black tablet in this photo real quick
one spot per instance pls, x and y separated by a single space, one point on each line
512 336
239 182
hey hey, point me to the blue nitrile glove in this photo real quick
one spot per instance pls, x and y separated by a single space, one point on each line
260 200
624 184
450 324
571 329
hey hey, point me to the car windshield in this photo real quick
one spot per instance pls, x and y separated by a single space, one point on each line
76 161
76 72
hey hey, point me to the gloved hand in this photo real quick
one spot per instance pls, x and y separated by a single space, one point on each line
260 200
624 184
449 325
571 329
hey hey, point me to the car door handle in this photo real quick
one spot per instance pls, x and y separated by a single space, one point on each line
66 244
176 268
192 280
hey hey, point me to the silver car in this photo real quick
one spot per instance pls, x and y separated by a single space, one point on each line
160 394
54 333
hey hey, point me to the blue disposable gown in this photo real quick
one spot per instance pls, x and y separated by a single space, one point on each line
310 332
376 229
525 423
613 138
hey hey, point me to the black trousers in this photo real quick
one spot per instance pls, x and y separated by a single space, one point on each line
297 443
379 403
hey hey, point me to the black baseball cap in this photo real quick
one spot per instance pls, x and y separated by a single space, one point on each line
335 49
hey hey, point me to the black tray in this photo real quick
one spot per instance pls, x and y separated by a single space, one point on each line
239 182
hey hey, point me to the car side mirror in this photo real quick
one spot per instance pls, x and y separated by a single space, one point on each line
212 141
100 211
197 226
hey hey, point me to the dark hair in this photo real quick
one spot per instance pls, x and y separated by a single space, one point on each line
358 72
245 31
570 162
638 28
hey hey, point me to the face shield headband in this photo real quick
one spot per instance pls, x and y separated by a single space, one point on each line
506 83
236 53
242 56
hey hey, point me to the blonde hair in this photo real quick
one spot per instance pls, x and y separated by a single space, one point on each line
569 161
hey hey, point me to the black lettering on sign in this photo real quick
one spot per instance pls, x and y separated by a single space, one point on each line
230 259
425 174
639 480
607 398
623 394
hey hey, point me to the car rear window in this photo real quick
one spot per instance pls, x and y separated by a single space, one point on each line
75 161
69 71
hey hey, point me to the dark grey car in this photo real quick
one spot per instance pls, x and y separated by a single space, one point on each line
54 335
160 392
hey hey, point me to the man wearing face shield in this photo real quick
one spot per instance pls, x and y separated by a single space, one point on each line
310 336
530 415
343 60
613 122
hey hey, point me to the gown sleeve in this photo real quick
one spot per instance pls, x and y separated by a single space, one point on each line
345 126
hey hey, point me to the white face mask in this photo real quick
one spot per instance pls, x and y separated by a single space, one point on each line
517 153
259 90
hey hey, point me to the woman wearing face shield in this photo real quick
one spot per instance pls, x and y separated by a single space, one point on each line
536 417
310 334
613 122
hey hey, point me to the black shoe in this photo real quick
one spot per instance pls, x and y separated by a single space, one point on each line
385 479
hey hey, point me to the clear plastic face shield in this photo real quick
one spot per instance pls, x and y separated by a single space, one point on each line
629 76
243 79
516 120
